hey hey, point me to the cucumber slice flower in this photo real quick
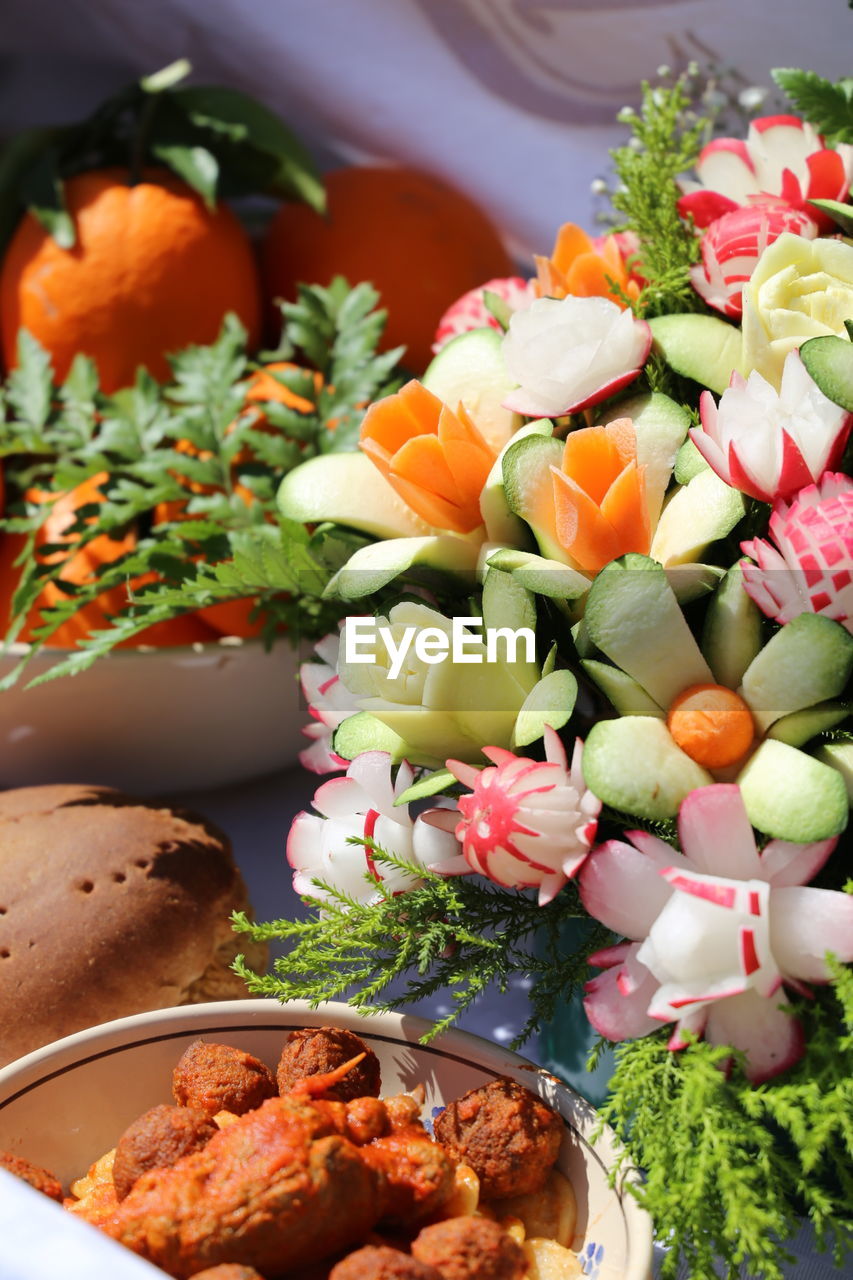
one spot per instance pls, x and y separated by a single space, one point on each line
703 730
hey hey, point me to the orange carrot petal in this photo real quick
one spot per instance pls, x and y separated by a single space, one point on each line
570 243
612 255
589 277
591 459
424 407
626 510
422 462
581 528
624 437
387 423
435 509
378 455
395 419
468 455
613 260
460 426
550 282
470 471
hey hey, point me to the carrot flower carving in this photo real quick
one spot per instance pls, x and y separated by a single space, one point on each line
435 458
585 268
599 496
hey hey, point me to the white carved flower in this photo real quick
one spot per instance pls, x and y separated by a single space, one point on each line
527 823
361 805
569 353
714 932
329 703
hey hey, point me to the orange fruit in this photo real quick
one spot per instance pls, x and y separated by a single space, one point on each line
418 241
186 629
152 270
231 618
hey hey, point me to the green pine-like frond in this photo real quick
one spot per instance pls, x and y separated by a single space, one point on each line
458 935
665 142
730 1168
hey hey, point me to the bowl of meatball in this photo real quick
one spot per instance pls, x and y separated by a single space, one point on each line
250 1140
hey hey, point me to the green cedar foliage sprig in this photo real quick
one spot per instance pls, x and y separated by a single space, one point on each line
189 469
731 1169
823 103
457 935
666 139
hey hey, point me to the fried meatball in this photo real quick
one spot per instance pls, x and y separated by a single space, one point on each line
228 1271
378 1262
314 1050
505 1133
470 1248
157 1140
218 1077
418 1175
33 1174
366 1120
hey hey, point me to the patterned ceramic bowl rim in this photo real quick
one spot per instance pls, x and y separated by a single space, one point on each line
258 1018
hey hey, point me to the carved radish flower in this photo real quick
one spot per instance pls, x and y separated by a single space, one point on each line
808 566
470 311
527 823
783 159
715 932
329 704
361 805
569 353
770 443
732 245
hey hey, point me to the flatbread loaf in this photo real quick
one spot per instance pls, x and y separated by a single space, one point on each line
109 906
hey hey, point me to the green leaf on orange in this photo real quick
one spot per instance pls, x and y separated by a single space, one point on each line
41 191
245 123
198 167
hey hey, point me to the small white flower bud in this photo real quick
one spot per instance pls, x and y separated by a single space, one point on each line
752 98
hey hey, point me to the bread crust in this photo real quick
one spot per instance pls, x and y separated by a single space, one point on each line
109 906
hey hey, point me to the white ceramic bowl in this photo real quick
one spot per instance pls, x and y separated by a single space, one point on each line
153 720
65 1105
